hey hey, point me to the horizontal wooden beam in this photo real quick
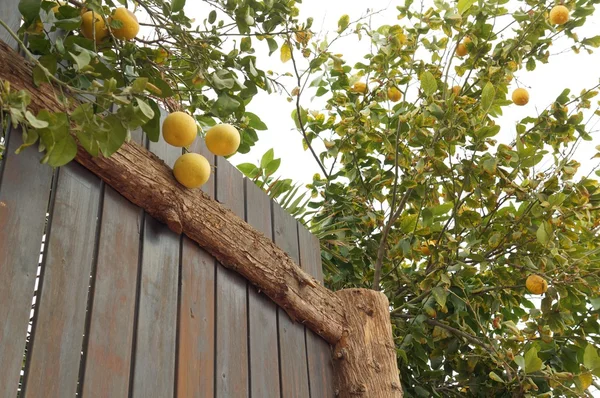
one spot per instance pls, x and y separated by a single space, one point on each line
148 182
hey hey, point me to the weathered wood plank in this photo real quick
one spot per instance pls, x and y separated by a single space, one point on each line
9 13
110 337
196 350
264 358
24 197
155 348
231 343
320 366
294 373
57 338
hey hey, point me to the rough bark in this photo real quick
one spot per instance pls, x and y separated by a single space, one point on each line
148 182
364 362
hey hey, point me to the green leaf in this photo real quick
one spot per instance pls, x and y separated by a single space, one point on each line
590 358
152 127
487 96
544 233
591 41
248 169
428 83
440 294
212 17
30 9
177 5
34 121
82 59
464 5
255 122
225 105
267 158
116 135
272 45
145 108
272 167
532 362
495 377
343 23
286 52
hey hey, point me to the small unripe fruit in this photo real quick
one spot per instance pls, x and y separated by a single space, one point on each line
559 15
461 49
456 90
520 97
536 284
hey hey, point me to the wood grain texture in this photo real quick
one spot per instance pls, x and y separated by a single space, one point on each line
320 367
232 312
24 197
196 350
365 362
292 345
61 307
154 368
147 182
108 353
262 322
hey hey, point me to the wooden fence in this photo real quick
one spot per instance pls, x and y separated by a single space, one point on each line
124 307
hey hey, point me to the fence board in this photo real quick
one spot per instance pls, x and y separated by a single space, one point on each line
196 350
292 346
108 357
60 320
23 203
320 367
231 334
154 363
264 358
10 14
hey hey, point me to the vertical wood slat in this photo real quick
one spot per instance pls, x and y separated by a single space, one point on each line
263 351
58 331
24 192
12 17
112 312
292 346
24 197
231 335
196 350
156 334
320 366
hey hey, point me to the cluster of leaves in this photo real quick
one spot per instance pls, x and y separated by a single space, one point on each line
119 85
421 199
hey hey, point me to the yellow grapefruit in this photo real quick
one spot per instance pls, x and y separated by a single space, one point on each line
222 139
191 170
179 129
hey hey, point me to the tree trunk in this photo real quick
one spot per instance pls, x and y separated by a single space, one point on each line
356 321
365 363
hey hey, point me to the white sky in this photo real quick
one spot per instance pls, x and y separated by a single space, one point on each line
545 83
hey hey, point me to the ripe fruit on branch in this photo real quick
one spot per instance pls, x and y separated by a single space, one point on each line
536 284
520 97
461 49
359 87
191 170
88 27
130 27
394 94
559 15
179 129
222 139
